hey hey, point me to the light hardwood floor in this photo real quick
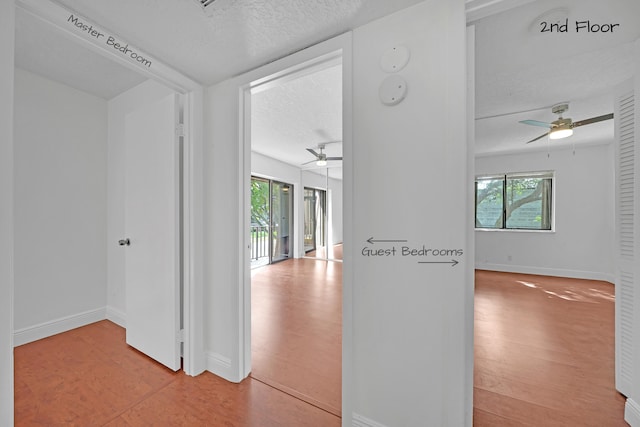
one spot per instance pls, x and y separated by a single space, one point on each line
297 330
543 357
544 352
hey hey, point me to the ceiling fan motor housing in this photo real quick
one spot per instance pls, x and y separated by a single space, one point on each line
561 123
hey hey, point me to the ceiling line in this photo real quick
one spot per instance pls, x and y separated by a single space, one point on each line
478 9
107 44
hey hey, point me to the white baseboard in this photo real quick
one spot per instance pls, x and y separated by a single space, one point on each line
56 326
358 420
542 271
116 316
632 413
220 365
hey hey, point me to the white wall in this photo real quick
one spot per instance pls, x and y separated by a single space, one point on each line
60 161
409 336
7 27
582 244
118 108
406 335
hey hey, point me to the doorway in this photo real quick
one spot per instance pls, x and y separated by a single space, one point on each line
296 304
119 88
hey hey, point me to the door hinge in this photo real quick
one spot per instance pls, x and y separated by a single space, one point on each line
181 335
180 130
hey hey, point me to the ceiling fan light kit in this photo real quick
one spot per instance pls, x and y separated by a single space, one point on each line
321 157
563 128
560 132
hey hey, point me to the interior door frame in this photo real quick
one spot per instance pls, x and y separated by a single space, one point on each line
192 186
334 51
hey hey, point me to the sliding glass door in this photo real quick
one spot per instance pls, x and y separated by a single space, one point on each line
271 221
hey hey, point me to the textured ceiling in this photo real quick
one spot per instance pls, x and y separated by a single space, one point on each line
43 50
520 68
300 114
241 35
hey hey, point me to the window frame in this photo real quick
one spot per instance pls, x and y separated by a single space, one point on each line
515 175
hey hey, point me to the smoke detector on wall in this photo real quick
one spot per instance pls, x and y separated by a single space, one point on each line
209 7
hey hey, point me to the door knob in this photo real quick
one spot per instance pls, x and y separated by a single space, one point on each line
124 242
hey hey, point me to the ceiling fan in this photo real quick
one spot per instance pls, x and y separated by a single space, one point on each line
562 128
321 157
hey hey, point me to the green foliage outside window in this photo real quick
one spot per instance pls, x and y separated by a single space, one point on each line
514 201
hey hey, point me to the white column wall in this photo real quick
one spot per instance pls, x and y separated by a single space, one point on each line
7 28
409 329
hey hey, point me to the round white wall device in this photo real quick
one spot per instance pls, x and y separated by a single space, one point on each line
393 90
395 59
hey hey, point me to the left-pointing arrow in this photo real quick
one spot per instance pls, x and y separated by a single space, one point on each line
371 241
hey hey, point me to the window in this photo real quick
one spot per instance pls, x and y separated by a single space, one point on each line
514 201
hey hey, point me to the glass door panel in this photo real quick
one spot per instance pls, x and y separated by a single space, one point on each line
281 220
260 221
309 220
315 222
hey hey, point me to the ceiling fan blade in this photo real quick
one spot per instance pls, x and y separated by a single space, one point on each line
334 158
540 137
312 151
536 123
593 120
306 163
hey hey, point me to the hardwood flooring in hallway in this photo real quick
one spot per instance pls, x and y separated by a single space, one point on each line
297 329
90 377
544 354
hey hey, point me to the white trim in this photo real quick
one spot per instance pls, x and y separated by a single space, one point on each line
358 420
102 41
221 366
306 60
478 9
632 413
470 222
116 316
193 260
53 327
543 271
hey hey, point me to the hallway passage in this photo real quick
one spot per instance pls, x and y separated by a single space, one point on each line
297 329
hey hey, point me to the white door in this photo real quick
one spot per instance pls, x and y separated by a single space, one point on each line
152 224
